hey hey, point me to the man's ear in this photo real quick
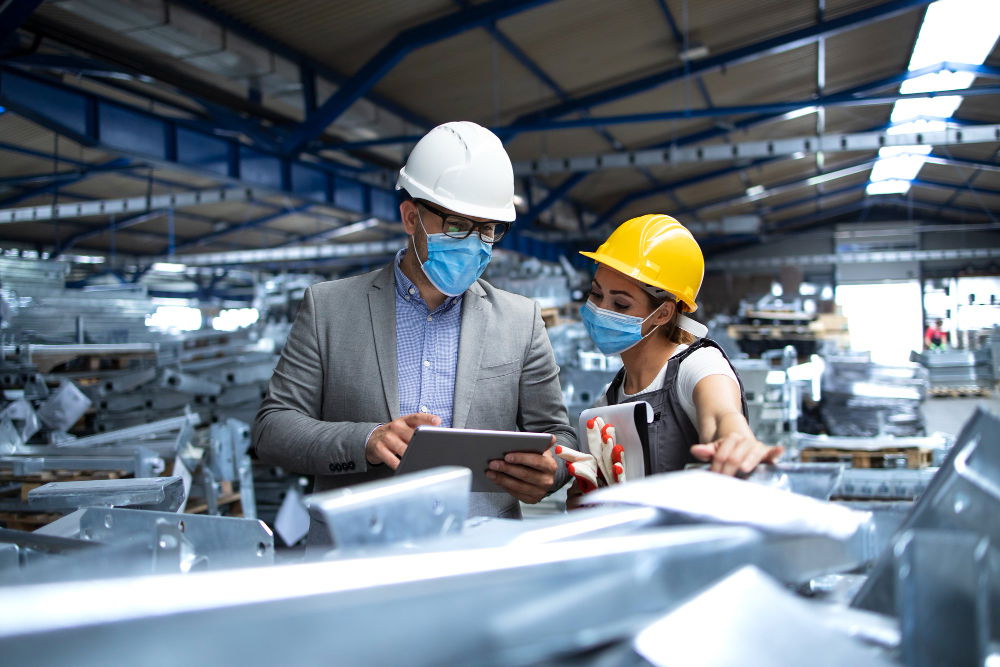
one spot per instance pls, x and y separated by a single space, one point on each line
408 214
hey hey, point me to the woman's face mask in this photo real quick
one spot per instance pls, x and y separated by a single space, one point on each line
453 264
612 332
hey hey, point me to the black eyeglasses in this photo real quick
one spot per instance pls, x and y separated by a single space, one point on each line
457 227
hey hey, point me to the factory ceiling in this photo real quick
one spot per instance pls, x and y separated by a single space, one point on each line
745 120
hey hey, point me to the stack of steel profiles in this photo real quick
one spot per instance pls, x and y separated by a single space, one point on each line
39 308
958 369
861 398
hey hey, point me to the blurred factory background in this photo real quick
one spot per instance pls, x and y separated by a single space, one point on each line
174 174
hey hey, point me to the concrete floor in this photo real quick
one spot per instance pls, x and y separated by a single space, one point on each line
948 414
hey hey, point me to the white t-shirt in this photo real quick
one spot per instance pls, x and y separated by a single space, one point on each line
699 365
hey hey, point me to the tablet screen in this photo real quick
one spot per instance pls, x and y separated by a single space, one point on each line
433 446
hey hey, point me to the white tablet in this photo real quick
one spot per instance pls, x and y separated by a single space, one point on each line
433 446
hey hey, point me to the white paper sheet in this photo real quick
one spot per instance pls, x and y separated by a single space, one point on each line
622 417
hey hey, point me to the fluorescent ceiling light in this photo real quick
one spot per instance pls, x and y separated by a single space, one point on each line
694 52
955 31
755 190
83 259
798 113
168 267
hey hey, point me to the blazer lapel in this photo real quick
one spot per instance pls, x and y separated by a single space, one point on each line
475 316
382 305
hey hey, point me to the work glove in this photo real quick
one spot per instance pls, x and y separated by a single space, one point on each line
604 465
582 466
610 456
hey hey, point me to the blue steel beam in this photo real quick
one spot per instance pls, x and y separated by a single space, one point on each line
554 195
535 69
28 193
13 14
114 226
693 180
51 177
243 30
682 43
869 203
960 187
775 45
747 123
91 168
947 160
109 125
393 52
780 108
240 226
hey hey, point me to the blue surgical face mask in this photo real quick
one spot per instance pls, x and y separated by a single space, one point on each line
612 332
453 264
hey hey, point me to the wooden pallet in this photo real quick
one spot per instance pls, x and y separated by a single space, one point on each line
28 521
916 457
229 502
956 392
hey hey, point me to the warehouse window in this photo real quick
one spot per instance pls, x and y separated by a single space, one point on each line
175 318
232 319
883 319
978 24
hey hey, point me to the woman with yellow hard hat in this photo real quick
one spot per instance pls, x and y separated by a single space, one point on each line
648 276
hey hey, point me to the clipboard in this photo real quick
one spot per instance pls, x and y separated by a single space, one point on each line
433 446
631 422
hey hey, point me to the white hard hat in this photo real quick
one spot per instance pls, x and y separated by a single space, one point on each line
463 167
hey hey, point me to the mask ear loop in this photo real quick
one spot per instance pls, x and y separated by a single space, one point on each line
640 329
413 240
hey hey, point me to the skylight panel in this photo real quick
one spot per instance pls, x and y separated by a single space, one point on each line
953 31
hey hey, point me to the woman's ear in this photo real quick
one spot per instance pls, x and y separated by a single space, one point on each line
665 313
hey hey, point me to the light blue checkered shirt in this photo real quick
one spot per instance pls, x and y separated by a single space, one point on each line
426 350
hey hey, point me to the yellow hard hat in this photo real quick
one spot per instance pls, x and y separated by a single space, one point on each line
658 251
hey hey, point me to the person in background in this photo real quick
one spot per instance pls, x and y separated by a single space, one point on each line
935 337
649 273
422 341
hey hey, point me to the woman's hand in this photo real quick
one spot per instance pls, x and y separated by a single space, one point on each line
736 453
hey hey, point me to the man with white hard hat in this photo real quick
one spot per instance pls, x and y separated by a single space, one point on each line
422 341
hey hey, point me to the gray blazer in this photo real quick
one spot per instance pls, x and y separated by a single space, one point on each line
337 380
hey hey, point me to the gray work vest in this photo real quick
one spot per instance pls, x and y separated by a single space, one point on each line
671 435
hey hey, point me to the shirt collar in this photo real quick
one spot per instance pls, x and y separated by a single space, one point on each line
406 289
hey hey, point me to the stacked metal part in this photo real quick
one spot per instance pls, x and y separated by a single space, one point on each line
771 399
545 282
221 377
959 370
584 372
663 566
121 468
862 398
37 306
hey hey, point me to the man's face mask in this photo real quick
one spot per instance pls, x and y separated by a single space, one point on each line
453 264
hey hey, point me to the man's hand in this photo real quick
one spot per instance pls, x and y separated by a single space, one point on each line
525 475
387 443
736 454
